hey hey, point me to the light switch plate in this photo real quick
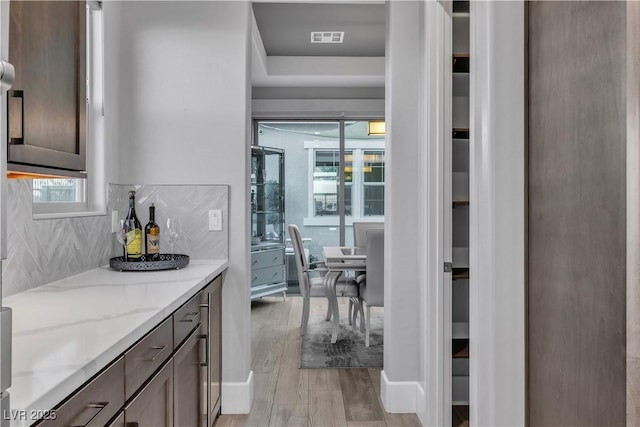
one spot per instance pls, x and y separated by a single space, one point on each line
215 220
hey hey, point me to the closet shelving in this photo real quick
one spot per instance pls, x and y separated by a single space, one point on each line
460 215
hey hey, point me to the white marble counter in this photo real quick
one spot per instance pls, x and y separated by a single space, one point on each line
66 331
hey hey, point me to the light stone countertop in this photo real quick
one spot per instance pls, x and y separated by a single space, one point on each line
66 331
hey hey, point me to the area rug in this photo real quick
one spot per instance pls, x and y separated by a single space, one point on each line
316 350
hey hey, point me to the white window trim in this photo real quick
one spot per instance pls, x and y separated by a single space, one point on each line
357 183
95 202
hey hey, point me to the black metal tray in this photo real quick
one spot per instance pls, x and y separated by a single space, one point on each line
165 262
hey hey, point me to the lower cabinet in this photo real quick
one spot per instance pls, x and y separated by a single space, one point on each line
95 403
170 377
153 406
118 421
211 304
267 271
187 382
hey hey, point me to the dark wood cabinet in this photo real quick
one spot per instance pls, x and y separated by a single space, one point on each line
95 403
211 303
118 421
47 105
154 383
153 406
189 406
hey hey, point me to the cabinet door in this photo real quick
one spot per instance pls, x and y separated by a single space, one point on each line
47 107
212 321
215 346
187 381
153 407
118 422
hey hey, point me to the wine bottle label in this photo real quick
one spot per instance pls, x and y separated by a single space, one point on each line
134 243
153 243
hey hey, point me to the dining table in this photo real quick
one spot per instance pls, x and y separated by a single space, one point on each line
338 260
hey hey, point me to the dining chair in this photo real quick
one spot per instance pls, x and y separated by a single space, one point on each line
372 282
311 287
360 229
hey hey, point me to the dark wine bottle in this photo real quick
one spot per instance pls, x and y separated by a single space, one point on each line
152 235
134 230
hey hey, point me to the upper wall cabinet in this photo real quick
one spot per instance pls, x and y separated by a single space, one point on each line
47 105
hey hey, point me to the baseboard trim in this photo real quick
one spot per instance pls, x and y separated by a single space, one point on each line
237 396
399 396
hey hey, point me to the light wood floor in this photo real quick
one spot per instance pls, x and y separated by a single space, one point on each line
286 395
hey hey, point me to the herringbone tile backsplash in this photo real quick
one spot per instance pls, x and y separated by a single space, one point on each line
190 203
42 251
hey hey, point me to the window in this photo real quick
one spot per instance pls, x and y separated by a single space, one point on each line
363 178
326 178
58 190
63 196
373 194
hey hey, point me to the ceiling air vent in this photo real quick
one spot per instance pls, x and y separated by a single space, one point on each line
327 36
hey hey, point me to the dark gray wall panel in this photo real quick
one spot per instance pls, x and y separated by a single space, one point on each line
576 250
633 213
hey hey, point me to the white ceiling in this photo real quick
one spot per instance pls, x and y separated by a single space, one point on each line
284 57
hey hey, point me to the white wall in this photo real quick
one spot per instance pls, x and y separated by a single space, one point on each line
413 371
177 103
497 200
415 301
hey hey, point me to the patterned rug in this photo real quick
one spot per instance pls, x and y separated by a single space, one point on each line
316 350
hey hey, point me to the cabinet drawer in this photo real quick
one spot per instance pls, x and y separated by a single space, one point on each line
185 319
146 356
267 258
95 403
267 275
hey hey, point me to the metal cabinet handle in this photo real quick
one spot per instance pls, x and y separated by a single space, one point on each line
15 116
205 337
190 317
254 262
160 349
90 409
132 424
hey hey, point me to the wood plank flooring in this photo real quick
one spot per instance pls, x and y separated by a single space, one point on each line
286 395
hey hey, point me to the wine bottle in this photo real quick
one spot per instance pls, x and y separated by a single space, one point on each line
134 230
152 235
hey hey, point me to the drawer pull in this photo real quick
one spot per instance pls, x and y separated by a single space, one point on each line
132 424
160 349
255 261
190 317
91 412
255 278
205 338
15 116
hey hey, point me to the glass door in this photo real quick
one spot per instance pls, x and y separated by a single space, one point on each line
267 198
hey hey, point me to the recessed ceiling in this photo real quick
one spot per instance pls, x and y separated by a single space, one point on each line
285 28
285 64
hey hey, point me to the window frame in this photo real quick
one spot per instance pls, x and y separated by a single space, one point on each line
357 148
94 200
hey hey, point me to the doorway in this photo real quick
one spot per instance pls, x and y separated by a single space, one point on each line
334 175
